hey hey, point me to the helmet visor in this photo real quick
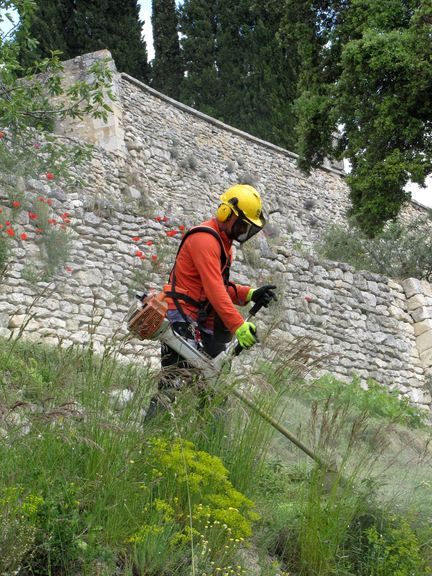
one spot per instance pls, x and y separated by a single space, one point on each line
243 228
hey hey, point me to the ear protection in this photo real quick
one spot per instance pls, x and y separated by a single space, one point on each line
224 210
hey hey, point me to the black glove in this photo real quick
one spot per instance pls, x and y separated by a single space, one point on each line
264 295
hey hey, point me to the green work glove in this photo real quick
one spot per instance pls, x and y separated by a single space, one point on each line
246 334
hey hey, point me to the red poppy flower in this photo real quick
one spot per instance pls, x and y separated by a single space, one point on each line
171 233
68 269
50 176
136 238
10 231
158 218
23 236
52 221
49 202
66 220
165 219
149 243
65 215
143 257
181 227
41 199
33 216
139 253
154 257
7 223
16 204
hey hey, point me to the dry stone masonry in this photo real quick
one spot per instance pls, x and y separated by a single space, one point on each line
159 165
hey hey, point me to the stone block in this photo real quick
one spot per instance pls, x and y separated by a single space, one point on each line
422 313
415 302
412 286
423 326
426 358
424 341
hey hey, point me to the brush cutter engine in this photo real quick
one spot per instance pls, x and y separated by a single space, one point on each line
148 321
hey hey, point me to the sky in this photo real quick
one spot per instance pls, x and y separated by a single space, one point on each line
421 195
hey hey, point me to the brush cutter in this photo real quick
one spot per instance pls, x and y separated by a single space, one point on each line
148 321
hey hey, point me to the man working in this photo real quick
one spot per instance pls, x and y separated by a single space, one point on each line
200 296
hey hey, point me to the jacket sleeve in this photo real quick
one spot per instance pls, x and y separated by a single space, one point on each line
205 252
238 293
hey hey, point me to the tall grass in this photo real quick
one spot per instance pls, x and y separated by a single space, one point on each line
87 487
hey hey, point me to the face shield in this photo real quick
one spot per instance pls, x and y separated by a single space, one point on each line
243 229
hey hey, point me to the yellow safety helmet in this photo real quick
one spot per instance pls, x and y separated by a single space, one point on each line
245 202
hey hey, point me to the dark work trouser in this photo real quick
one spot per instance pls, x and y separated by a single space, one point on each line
177 373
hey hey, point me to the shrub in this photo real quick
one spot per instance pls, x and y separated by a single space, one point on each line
376 400
400 250
385 545
18 527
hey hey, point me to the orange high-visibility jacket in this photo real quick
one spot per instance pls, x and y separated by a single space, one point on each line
198 275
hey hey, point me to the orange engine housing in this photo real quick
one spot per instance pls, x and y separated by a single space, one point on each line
147 321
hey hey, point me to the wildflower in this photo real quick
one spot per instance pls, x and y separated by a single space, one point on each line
308 299
149 243
36 145
154 257
171 233
69 269
23 236
41 199
16 204
158 218
136 238
143 257
10 232
33 216
165 219
52 221
49 202
7 223
65 215
181 227
139 253
50 176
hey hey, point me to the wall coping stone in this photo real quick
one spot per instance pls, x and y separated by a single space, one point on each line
221 124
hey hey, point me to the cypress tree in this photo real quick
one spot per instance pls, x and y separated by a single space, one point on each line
167 72
48 23
200 87
79 26
237 69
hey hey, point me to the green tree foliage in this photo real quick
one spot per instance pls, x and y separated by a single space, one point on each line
236 68
77 27
198 25
167 70
367 68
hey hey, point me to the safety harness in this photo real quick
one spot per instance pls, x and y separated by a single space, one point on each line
203 306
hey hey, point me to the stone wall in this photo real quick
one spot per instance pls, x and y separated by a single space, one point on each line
162 168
